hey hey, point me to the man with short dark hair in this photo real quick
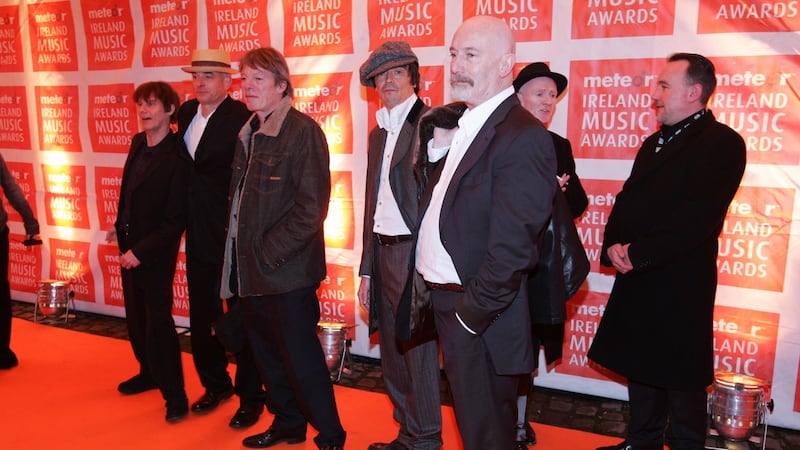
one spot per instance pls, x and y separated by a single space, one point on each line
661 237
150 220
410 369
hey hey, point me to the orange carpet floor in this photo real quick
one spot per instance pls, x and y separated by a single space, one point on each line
63 396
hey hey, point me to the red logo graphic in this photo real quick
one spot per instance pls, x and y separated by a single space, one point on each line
69 261
754 242
237 27
745 341
107 183
52 32
10 43
584 312
317 28
108 255
24 264
337 297
170 32
610 106
110 40
15 131
65 196
113 117
617 18
23 175
419 24
757 97
58 113
735 16
591 225
326 98
529 20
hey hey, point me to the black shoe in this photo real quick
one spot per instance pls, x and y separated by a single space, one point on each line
246 416
137 384
394 445
274 436
332 447
8 359
625 445
210 400
177 410
521 445
530 435
621 446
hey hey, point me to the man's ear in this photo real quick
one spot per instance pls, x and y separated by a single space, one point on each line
695 92
507 64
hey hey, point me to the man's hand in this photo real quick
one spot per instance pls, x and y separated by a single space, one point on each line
563 181
111 236
442 137
618 254
363 293
128 260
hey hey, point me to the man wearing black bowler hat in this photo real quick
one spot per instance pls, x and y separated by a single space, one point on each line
538 89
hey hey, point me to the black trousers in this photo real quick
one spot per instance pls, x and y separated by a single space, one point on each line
657 413
5 295
282 331
209 356
484 402
151 329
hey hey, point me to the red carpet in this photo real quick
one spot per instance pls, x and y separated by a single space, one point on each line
63 396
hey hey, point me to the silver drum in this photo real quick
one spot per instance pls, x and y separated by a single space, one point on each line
333 338
737 405
53 297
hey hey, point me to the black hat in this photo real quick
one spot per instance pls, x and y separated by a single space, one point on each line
536 70
388 56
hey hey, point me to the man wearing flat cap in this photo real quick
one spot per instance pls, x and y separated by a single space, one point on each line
208 125
410 369
538 89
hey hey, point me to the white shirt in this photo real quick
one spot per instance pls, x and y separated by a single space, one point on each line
387 219
432 260
195 130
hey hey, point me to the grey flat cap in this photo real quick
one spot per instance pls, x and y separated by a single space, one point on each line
388 56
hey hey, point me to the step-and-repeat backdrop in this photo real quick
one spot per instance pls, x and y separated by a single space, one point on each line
68 70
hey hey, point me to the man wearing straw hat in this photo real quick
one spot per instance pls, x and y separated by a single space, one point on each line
208 126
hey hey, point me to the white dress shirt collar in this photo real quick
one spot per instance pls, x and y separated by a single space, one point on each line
392 120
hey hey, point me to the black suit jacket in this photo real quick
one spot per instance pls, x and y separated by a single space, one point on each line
209 177
565 163
495 208
404 188
657 326
157 204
